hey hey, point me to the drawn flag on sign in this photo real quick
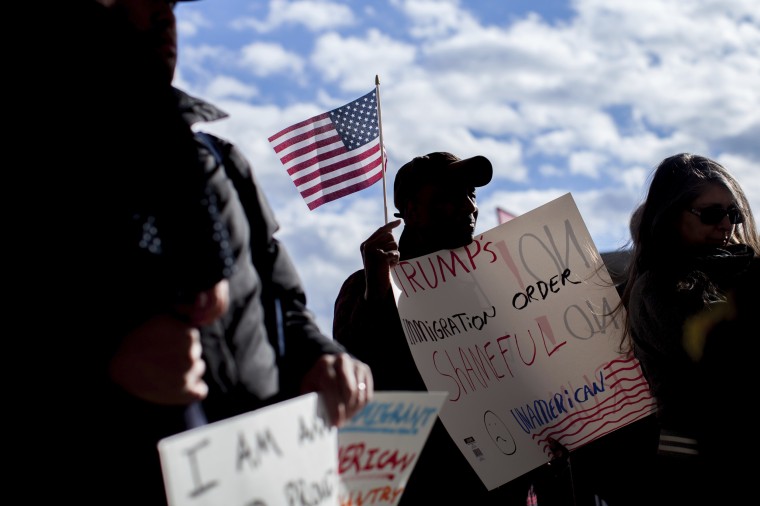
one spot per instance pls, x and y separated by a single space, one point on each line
335 153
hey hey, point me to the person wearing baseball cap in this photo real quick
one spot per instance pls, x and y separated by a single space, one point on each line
435 196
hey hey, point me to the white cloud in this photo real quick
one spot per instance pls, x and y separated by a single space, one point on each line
194 61
264 59
586 163
352 63
190 23
435 18
313 15
228 87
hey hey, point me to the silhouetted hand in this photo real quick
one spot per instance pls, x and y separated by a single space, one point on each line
160 362
345 383
379 254
559 455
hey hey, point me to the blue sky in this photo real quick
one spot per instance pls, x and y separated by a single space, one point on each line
583 96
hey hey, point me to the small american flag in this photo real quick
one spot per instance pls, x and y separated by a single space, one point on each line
503 216
335 153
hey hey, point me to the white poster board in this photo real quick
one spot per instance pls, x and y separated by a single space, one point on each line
380 446
516 328
281 454
287 454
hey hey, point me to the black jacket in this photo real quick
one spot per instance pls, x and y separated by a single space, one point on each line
121 230
269 336
662 302
256 354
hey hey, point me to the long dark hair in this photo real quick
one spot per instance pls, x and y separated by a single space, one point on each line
675 183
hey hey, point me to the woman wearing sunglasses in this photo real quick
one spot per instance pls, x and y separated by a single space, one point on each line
695 243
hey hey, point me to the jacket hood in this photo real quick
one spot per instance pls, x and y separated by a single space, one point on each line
196 110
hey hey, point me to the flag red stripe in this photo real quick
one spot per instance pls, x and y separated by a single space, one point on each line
346 176
321 156
327 169
299 125
304 136
345 191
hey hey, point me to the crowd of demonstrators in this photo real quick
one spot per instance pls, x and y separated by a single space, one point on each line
196 312
172 303
691 283
694 267
435 196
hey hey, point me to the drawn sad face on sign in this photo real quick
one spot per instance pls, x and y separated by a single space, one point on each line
499 433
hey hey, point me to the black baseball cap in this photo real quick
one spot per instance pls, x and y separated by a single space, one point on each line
433 168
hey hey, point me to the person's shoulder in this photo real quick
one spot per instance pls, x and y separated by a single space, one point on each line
234 161
754 267
351 293
745 291
197 110
355 280
219 143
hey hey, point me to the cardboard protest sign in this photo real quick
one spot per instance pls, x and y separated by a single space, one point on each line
517 328
288 454
380 446
280 454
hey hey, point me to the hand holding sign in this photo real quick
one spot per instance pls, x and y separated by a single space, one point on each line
345 382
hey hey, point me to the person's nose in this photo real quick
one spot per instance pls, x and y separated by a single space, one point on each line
725 223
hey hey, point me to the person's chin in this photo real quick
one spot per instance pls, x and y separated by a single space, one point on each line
459 241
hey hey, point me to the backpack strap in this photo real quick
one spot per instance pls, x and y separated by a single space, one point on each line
278 341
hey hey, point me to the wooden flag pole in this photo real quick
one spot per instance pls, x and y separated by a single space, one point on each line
382 146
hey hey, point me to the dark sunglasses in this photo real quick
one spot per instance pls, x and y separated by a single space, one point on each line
714 215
